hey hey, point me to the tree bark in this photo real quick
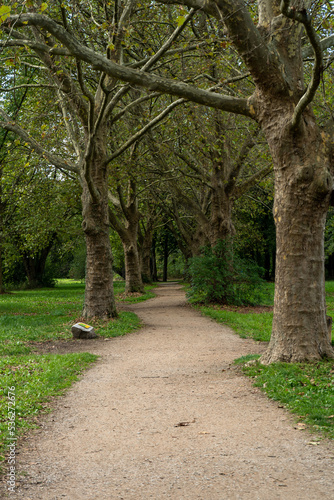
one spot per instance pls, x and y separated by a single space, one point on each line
134 281
303 186
99 294
127 230
145 255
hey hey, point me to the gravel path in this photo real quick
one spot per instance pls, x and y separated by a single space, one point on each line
163 415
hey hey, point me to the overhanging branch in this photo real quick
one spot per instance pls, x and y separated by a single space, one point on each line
143 79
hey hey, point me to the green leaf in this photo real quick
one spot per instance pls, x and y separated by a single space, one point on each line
44 6
180 20
4 12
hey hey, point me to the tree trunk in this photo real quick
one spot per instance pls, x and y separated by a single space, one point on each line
35 265
154 271
132 268
145 256
302 191
99 294
221 226
165 264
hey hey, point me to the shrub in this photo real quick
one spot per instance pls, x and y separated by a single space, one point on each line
220 276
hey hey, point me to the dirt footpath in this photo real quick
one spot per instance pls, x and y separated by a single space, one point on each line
162 415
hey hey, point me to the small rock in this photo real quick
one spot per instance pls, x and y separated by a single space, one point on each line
83 331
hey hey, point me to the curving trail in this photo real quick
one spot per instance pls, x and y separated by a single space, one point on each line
162 415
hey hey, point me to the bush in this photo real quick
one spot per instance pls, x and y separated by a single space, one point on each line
78 267
220 276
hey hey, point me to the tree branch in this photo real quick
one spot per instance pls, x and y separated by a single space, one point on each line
58 162
325 43
251 181
169 42
132 104
29 85
143 79
303 18
143 131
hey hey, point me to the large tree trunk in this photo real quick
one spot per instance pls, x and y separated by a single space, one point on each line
99 294
302 191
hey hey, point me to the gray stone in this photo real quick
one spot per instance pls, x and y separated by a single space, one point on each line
83 331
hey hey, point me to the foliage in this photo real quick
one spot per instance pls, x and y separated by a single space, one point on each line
220 276
77 269
305 389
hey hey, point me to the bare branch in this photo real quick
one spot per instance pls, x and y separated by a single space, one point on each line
133 104
251 181
169 42
325 43
23 42
29 85
143 131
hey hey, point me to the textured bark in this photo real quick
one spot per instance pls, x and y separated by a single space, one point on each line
220 225
133 277
145 255
99 294
303 186
126 224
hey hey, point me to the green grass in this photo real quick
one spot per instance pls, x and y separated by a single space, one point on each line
148 294
247 325
30 382
254 325
48 314
41 315
306 389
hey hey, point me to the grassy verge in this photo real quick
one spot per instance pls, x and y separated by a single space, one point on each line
247 325
28 383
134 298
255 325
306 389
30 380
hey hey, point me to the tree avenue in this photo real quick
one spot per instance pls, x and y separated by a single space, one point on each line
91 106
269 42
